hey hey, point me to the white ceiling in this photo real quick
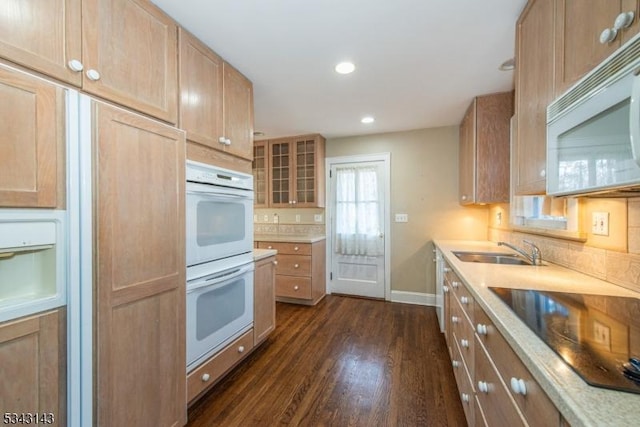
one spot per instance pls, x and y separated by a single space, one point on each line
418 62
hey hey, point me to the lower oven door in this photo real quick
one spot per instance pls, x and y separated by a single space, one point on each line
219 222
219 309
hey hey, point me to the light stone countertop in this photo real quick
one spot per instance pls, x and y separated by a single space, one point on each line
293 238
259 254
579 403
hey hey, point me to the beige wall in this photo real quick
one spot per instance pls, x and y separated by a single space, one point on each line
424 185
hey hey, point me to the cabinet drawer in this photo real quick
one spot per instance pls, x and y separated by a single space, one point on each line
493 398
287 248
293 287
465 387
293 265
535 405
210 371
463 336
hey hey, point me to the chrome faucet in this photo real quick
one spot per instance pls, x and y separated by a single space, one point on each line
535 257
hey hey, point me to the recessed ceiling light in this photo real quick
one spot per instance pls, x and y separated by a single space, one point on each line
345 67
507 65
368 119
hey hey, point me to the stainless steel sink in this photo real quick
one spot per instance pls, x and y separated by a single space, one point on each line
491 258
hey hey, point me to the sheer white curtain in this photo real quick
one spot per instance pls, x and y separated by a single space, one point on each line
358 211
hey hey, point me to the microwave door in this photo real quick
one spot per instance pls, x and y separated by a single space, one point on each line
590 146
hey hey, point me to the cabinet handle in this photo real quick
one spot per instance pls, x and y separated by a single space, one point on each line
296 287
75 65
296 265
483 386
205 378
269 247
454 319
624 20
296 248
464 300
456 364
481 329
543 173
518 386
224 141
275 262
464 197
455 284
464 343
447 270
445 289
93 75
241 349
607 36
465 397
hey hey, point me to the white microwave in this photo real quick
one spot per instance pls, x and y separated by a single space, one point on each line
593 130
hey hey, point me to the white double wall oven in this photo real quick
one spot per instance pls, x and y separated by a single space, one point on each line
219 246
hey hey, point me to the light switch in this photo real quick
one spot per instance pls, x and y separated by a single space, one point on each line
402 217
600 223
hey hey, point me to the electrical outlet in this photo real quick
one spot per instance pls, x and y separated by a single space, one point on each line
276 219
600 223
499 218
402 217
317 217
601 334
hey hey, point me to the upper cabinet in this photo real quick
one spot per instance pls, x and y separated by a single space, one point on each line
261 174
32 140
122 50
587 32
534 80
295 171
484 150
216 101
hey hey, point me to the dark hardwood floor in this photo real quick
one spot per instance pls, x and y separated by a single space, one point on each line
344 362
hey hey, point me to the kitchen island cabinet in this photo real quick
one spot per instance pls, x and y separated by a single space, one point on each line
484 150
32 367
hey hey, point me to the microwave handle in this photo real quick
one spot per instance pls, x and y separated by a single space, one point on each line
634 118
215 280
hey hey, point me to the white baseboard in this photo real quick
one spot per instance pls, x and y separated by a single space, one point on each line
417 298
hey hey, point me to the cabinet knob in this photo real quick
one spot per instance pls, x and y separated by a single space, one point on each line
454 319
269 247
296 265
624 20
241 349
275 262
481 329
464 300
93 75
296 248
75 65
483 387
518 386
296 287
464 197
445 289
465 397
447 270
455 284
205 377
543 173
607 36
464 343
456 364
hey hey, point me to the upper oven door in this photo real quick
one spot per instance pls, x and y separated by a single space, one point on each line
219 222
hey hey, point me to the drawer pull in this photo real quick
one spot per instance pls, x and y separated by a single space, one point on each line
455 284
205 377
455 319
465 397
275 262
464 300
296 287
483 387
296 248
445 289
241 349
456 364
481 329
518 386
464 343
447 270
296 265
269 247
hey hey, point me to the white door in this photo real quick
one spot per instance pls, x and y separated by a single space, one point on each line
358 207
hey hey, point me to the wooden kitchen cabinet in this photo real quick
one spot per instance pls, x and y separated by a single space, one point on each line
32 141
579 24
216 101
139 267
295 171
261 174
300 271
33 367
534 82
264 301
484 149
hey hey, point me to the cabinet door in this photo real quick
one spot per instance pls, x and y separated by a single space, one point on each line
133 46
634 28
281 161
261 174
309 171
467 156
238 113
200 92
32 367
140 355
32 140
578 48
534 91
42 35
264 317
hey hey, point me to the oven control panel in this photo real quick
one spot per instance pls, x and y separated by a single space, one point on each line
208 174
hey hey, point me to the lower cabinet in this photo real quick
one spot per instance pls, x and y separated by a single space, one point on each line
32 368
495 387
264 300
206 375
300 271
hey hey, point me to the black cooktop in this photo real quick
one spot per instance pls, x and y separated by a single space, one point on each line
598 336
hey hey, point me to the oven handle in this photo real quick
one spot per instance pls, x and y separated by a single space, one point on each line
220 195
214 280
